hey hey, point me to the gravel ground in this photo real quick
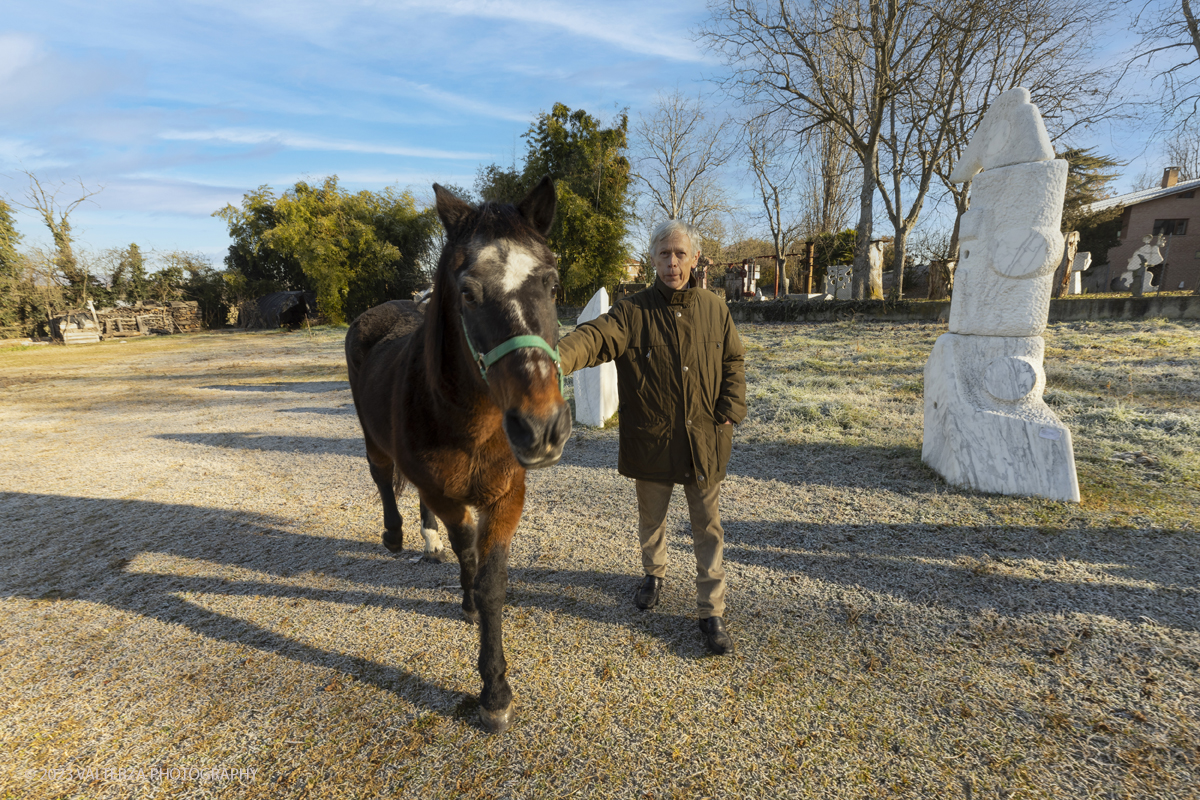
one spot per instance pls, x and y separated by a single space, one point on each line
194 602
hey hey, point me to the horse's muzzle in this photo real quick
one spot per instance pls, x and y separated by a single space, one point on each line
536 441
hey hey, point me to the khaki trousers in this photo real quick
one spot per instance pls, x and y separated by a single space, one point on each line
708 538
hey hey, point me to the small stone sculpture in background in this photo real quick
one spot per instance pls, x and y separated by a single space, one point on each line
1081 264
595 387
986 425
1137 276
837 281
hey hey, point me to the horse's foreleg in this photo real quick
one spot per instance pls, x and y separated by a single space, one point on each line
497 525
434 551
390 482
460 529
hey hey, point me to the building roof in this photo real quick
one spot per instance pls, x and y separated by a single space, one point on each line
1133 198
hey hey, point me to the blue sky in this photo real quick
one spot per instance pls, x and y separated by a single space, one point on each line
177 108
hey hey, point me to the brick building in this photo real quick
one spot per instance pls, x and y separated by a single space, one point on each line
1172 209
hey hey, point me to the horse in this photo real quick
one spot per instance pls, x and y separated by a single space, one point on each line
462 401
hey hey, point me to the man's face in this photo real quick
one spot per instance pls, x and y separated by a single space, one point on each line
673 260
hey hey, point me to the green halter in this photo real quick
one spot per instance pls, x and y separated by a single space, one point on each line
509 345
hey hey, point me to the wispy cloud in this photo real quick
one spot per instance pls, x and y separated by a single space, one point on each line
248 136
458 101
625 29
25 154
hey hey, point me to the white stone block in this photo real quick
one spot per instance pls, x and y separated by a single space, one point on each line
1011 132
1010 245
837 281
595 387
986 426
1076 284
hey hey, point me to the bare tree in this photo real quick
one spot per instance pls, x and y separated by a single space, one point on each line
827 168
56 215
772 160
923 121
680 149
829 62
1169 47
1050 47
1183 151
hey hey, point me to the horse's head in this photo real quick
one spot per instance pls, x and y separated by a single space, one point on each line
494 299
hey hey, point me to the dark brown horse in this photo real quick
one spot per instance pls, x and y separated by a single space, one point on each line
462 401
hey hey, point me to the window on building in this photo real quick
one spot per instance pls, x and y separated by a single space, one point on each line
1170 227
1188 195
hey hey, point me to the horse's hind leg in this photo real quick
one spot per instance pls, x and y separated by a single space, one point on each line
434 551
390 483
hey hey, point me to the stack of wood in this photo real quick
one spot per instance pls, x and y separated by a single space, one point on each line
146 318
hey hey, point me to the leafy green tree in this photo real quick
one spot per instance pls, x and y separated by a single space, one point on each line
203 284
353 250
252 267
356 250
591 173
165 283
830 249
10 271
129 279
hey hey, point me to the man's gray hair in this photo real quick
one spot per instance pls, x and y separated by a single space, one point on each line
665 229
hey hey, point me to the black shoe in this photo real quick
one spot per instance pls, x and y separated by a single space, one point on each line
647 594
715 636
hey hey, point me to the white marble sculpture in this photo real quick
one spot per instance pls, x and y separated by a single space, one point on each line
837 281
1081 264
986 425
1148 255
595 387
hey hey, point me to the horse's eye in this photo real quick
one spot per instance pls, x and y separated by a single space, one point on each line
468 296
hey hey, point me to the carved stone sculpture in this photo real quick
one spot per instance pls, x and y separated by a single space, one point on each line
1148 255
595 387
837 281
1081 264
986 425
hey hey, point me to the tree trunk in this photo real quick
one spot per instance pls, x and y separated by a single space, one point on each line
860 275
899 248
962 202
941 275
810 255
1062 275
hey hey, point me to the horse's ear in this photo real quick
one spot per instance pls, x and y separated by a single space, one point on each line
451 210
538 206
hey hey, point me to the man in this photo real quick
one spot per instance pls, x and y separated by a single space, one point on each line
682 388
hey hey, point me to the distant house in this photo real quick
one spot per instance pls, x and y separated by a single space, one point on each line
1173 209
633 269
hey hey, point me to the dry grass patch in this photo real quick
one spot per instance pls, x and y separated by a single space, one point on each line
193 580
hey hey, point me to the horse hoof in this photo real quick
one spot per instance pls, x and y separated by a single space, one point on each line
497 721
436 557
393 540
472 617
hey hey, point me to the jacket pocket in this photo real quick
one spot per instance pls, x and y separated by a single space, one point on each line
724 446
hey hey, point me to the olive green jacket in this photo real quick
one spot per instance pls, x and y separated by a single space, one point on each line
680 376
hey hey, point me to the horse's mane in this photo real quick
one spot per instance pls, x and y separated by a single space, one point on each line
485 223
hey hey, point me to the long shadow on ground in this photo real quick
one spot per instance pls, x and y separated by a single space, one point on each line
1125 575
299 387
241 440
67 548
